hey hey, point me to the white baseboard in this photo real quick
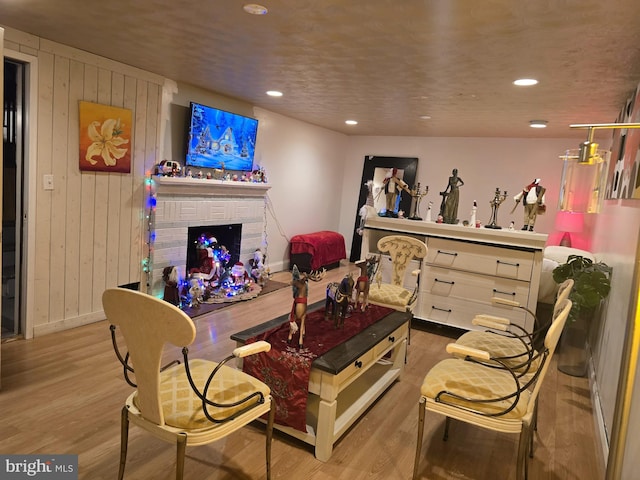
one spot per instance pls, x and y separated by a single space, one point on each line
67 323
601 436
278 266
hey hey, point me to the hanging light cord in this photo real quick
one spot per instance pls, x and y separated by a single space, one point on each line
272 211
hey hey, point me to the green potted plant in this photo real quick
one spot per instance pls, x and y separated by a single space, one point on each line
592 284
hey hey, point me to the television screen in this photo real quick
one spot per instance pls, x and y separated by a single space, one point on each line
219 139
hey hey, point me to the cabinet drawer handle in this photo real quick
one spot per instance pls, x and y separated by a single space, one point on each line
358 364
507 263
392 339
448 253
448 310
445 281
504 293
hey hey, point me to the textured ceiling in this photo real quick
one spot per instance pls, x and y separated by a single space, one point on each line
383 63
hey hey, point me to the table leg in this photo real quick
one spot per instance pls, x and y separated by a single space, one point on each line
326 425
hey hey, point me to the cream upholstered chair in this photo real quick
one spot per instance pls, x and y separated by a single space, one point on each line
194 403
509 342
401 251
487 397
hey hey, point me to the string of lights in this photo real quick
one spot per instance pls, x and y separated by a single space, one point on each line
151 203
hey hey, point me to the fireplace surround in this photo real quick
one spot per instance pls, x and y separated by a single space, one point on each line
183 203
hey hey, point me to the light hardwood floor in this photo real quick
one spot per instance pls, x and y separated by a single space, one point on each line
62 393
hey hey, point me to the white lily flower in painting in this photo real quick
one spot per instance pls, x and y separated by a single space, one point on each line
106 143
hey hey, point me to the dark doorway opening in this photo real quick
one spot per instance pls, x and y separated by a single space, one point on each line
12 191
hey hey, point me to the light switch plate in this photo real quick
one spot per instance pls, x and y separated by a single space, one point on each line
47 182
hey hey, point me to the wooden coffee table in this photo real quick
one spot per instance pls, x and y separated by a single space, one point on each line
348 379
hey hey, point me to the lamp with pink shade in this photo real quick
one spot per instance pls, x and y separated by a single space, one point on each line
569 222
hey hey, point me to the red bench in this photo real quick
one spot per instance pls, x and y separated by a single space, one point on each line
314 251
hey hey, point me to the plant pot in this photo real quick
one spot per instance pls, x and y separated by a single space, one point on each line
573 348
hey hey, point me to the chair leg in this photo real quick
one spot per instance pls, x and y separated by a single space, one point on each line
531 433
272 414
124 440
534 428
421 413
181 443
522 459
447 422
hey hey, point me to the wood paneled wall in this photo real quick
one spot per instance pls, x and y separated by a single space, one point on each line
91 228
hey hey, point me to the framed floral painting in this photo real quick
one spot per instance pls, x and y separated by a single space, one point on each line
105 138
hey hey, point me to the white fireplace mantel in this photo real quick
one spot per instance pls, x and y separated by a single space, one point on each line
208 187
185 202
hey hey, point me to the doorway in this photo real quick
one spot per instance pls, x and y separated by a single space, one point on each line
12 196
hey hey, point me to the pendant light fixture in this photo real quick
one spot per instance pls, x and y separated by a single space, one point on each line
584 173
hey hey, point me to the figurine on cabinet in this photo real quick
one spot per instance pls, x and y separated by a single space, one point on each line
498 198
429 209
451 198
392 187
532 197
416 196
367 209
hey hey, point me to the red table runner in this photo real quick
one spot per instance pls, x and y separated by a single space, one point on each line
286 368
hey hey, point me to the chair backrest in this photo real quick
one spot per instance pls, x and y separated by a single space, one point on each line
402 249
564 290
550 343
147 324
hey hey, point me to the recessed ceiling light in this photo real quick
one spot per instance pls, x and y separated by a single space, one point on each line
538 124
274 93
525 82
351 122
255 9
425 117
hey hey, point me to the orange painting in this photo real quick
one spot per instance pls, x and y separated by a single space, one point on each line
105 138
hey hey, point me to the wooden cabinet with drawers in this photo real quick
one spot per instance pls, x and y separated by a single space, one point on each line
465 267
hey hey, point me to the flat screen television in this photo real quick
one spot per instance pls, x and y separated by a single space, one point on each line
219 139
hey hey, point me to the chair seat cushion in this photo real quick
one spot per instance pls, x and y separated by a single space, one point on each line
183 409
389 294
501 346
476 382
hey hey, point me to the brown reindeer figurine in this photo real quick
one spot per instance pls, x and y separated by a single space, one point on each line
300 287
367 268
338 299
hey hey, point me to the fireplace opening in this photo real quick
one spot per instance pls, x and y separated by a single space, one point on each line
214 270
204 241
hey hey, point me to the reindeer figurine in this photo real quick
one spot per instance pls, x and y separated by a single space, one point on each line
338 299
367 269
300 287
